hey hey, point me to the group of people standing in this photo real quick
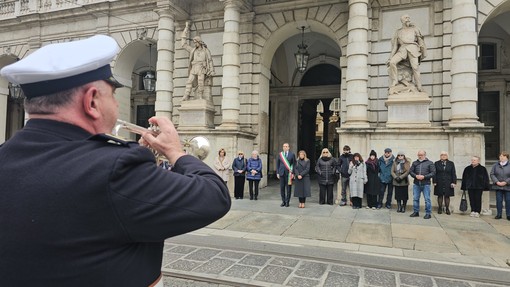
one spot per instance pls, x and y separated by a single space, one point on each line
244 169
376 178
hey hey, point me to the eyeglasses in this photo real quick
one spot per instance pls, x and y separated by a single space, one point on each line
241 154
420 154
400 155
324 152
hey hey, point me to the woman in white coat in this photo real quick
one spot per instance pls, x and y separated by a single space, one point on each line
222 165
357 180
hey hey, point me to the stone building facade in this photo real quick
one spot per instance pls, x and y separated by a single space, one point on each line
258 98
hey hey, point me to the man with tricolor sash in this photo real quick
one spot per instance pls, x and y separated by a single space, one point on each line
284 167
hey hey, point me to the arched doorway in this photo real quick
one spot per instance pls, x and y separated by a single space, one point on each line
294 96
136 103
493 79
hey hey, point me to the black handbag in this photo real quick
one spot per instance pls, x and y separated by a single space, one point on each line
463 202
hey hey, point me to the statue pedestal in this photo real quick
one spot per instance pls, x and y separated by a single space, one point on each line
408 110
196 114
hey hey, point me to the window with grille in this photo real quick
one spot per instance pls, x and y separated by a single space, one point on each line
488 56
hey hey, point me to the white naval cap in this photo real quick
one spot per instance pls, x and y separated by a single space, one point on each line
59 67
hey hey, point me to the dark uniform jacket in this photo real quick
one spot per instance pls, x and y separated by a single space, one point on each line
80 210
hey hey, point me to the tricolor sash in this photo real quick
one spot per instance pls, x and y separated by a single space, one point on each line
288 166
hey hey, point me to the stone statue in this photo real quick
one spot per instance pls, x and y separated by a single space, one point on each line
407 51
201 68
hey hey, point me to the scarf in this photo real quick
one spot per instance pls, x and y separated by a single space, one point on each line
400 165
372 163
386 159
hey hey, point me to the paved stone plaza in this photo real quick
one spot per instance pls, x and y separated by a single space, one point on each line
252 269
456 239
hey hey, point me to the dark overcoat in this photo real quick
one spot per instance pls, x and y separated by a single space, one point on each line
90 210
373 185
444 178
302 187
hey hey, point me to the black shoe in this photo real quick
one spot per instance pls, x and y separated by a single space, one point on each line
440 210
251 198
283 204
256 198
508 218
427 216
448 211
287 204
497 217
414 214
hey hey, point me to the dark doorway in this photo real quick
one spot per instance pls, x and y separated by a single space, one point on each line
15 117
308 139
143 114
488 112
307 129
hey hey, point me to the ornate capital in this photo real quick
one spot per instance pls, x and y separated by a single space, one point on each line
172 10
243 5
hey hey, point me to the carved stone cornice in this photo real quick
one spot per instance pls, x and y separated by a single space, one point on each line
175 9
243 5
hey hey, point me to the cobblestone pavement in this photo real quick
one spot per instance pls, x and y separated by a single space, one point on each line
237 268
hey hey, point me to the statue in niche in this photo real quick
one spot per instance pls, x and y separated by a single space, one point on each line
407 51
201 68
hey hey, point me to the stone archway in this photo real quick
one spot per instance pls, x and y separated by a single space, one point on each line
11 113
271 31
493 75
125 68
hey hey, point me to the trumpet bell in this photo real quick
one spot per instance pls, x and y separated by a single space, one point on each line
198 146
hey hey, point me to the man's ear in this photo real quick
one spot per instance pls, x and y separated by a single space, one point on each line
90 102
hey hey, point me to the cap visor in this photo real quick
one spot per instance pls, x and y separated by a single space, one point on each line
112 81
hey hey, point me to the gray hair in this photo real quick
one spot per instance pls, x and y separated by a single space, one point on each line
49 104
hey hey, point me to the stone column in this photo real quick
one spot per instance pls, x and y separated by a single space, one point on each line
357 65
4 94
165 63
464 92
231 60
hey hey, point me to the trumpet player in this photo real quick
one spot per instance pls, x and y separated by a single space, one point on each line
82 208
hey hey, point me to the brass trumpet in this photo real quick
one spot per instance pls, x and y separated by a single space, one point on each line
198 146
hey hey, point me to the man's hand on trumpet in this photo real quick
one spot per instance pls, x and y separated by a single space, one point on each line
167 142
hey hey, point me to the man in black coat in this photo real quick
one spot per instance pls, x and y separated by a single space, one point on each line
284 172
79 207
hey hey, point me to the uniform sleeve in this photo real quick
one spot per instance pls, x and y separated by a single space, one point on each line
153 204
